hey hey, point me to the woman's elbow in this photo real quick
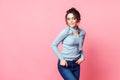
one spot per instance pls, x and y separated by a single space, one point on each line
53 45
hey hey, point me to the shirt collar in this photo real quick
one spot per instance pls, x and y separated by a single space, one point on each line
73 29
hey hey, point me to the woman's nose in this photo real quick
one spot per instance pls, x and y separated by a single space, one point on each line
71 20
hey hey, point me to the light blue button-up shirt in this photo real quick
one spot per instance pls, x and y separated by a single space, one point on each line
72 44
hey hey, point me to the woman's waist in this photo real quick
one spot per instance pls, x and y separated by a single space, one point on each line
71 58
70 50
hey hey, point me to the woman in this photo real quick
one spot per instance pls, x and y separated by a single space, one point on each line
72 38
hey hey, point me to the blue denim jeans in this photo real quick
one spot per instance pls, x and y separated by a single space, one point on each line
72 72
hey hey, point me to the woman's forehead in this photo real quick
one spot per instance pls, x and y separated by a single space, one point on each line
70 15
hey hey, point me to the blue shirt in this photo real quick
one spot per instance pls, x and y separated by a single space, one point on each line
72 44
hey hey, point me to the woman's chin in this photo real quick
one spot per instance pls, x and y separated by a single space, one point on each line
72 26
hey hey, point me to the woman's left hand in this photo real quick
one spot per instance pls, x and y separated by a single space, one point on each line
79 61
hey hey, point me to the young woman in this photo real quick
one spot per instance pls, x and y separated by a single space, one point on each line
72 38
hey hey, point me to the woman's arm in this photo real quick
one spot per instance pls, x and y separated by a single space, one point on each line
57 41
82 37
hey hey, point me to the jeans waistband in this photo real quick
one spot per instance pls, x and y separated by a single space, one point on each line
72 60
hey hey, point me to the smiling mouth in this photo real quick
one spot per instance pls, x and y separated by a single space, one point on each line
72 24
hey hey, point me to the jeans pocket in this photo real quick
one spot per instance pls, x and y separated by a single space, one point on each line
77 64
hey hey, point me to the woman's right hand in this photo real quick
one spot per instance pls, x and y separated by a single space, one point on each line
63 63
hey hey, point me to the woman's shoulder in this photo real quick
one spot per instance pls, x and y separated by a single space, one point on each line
65 30
82 31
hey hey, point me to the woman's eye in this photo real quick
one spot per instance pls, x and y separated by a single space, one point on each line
73 18
68 18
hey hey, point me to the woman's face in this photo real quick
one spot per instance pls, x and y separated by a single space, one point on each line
71 20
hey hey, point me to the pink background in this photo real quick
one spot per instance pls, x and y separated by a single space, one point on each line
28 27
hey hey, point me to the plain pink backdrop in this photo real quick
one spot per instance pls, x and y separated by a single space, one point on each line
28 27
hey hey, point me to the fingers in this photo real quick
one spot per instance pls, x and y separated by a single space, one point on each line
63 63
76 61
79 61
66 64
